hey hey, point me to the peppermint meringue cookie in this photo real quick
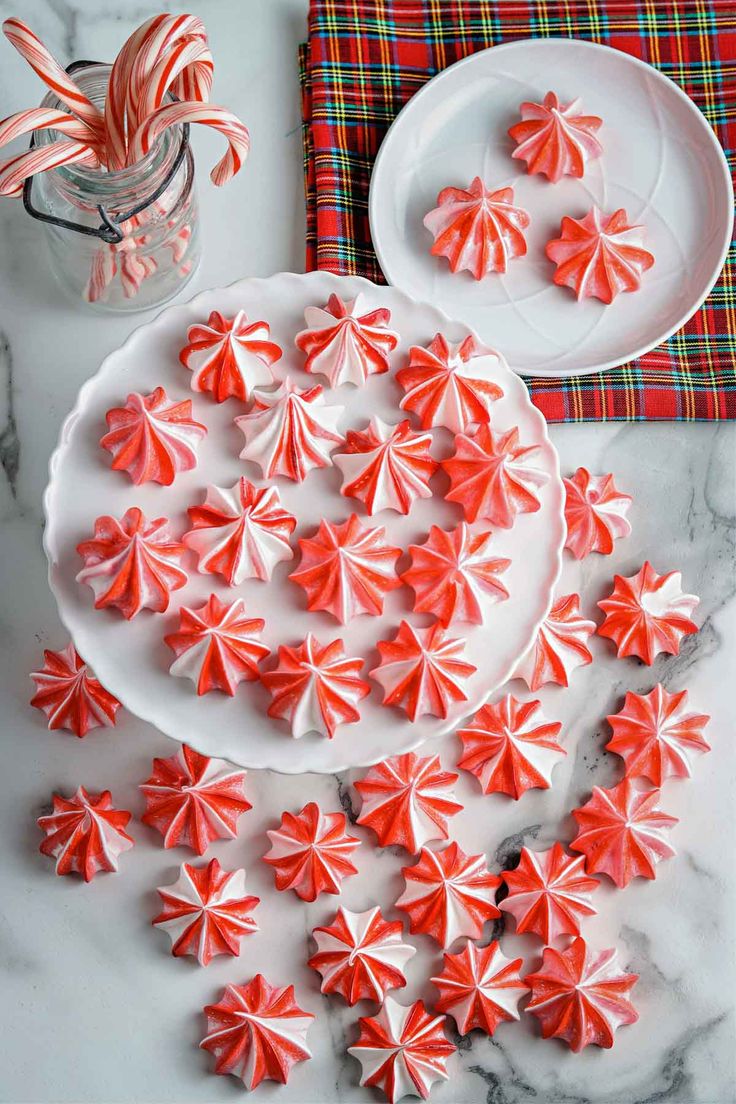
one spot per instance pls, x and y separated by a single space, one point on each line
132 564
217 646
408 800
344 342
360 955
386 467
549 893
422 671
290 431
595 513
230 357
257 1032
621 832
402 1050
152 438
493 477
315 687
478 230
240 532
450 385
599 256
311 852
192 799
511 747
69 694
206 912
480 988
656 735
85 833
581 996
449 895
347 569
452 574
555 139
560 646
648 613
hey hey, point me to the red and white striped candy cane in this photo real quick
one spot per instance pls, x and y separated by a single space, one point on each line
157 43
130 71
14 170
30 47
46 118
231 128
189 59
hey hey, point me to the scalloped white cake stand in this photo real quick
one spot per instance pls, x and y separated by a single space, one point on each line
661 161
131 658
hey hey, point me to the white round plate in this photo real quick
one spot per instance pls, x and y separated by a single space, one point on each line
661 162
131 658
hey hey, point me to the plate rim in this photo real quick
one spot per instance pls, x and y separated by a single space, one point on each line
67 426
534 43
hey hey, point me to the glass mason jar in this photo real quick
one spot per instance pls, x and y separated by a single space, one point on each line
160 247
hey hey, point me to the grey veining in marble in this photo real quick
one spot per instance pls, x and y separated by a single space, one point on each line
94 1009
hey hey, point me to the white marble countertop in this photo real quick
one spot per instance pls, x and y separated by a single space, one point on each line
93 1007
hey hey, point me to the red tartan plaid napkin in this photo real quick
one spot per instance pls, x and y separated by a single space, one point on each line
366 58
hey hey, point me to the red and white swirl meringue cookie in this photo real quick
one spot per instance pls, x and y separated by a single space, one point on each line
152 438
132 564
311 852
449 895
549 893
257 1032
656 735
560 646
595 513
206 912
192 799
85 833
479 230
555 139
360 955
347 569
452 574
450 385
648 613
230 357
402 1050
511 747
217 646
599 256
344 342
240 532
290 431
408 800
621 832
315 687
386 467
69 694
581 996
480 988
493 477
422 670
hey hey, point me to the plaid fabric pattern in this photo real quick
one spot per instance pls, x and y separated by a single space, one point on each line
366 58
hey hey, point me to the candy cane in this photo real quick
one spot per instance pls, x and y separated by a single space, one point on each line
46 118
14 170
190 60
193 83
160 39
30 47
130 70
231 128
